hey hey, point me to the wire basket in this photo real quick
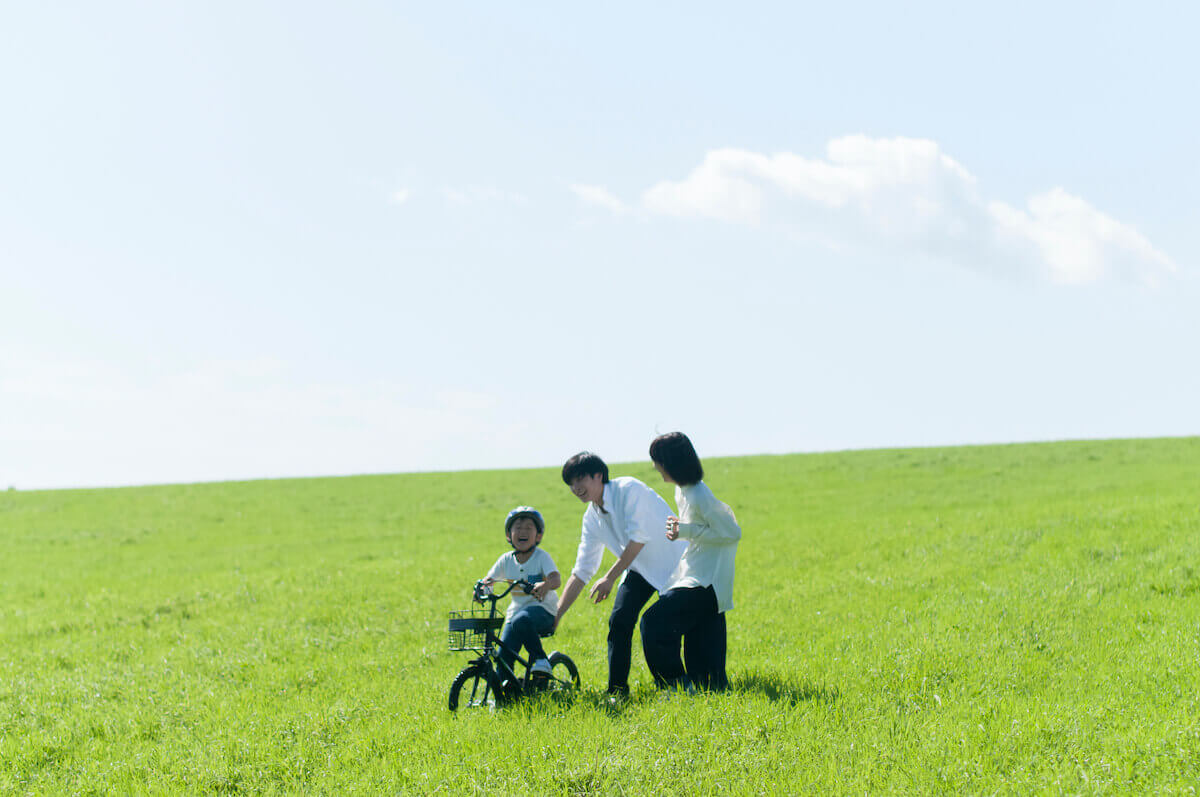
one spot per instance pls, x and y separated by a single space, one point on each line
469 628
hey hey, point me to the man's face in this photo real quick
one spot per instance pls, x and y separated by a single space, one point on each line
588 488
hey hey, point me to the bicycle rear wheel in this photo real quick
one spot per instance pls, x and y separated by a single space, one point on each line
476 687
564 675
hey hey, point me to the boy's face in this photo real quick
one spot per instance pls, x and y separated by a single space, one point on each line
588 488
524 534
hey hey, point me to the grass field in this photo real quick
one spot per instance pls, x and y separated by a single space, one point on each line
988 619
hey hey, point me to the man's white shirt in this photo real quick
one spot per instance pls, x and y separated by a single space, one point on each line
633 513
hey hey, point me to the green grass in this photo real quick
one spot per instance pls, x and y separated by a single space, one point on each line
1007 619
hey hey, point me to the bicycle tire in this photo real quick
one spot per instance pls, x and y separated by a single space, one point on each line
560 666
479 684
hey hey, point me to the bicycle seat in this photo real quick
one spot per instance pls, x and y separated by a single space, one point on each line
545 634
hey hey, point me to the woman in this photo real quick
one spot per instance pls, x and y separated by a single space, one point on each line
701 589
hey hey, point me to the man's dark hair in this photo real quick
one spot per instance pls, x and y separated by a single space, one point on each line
675 453
585 463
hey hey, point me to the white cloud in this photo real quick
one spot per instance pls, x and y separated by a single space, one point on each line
474 194
1077 242
401 195
600 196
907 194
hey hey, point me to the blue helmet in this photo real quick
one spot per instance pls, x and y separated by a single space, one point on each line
524 511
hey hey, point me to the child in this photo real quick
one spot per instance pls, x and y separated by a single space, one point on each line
623 515
529 615
701 588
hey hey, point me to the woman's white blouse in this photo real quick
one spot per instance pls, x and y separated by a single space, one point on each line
712 533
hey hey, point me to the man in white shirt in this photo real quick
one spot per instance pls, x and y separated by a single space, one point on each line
626 517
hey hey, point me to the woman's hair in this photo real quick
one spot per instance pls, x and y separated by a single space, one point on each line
585 463
674 452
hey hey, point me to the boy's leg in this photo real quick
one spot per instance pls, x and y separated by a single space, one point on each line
675 614
523 631
627 605
540 622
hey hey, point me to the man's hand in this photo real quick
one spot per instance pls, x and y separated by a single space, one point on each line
601 589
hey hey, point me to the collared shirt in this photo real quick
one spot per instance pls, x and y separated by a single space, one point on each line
632 513
712 533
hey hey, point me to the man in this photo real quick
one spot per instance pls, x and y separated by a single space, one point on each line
626 517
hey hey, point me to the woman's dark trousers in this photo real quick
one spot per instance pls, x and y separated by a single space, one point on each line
688 614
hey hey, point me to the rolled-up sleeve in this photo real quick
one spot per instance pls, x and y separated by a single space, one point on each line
587 558
716 523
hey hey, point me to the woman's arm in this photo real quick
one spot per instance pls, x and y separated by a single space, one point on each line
717 524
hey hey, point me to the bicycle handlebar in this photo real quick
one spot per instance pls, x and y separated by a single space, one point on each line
483 592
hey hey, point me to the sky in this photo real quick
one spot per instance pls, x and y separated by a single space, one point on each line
266 239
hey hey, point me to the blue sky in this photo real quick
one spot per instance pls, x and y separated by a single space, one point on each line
244 240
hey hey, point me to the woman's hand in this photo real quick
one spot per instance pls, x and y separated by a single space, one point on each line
672 528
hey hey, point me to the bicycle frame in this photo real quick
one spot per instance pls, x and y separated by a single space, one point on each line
492 644
488 674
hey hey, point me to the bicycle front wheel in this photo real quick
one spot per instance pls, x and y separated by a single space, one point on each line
476 687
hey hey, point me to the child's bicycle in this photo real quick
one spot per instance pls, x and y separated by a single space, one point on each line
487 681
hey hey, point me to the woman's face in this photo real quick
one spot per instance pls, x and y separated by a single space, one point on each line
662 472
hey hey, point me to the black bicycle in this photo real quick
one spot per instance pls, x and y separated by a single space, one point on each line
487 681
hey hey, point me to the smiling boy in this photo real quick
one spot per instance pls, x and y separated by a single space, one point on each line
626 517
529 616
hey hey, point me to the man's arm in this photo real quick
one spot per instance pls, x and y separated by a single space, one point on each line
605 585
574 586
587 561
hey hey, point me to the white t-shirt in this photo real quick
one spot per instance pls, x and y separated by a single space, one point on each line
712 533
632 513
534 569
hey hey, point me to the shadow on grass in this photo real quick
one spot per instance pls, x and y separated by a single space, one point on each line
777 687
781 688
